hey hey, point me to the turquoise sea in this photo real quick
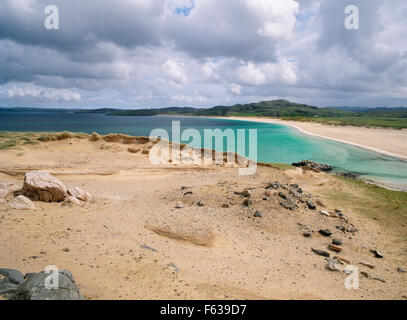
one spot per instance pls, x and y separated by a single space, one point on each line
276 143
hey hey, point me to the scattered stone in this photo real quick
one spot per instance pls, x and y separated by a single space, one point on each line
14 276
185 188
334 248
80 194
268 193
274 185
401 270
365 274
201 203
266 199
325 213
326 232
258 214
73 200
289 204
188 193
247 193
314 165
225 205
319 202
333 265
311 205
337 242
148 248
34 288
379 279
180 205
307 234
41 186
342 259
341 228
294 192
366 264
282 195
351 229
377 254
321 253
22 203
247 202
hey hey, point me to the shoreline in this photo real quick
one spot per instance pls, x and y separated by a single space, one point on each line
294 124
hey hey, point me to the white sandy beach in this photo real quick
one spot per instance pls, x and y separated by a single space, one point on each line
390 142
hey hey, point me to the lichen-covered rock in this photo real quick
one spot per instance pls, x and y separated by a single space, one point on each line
22 203
34 288
42 186
80 194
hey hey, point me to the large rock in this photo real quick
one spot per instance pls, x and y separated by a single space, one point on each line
41 186
80 194
34 288
314 165
14 276
22 203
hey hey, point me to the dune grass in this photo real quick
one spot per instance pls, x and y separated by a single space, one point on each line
10 140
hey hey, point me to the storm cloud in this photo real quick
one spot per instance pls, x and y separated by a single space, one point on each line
157 53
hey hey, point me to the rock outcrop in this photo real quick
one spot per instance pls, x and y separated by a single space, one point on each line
42 186
314 165
34 288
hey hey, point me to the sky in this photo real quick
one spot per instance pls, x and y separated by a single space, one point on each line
201 53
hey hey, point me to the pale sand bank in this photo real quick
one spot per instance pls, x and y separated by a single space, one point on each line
131 242
390 142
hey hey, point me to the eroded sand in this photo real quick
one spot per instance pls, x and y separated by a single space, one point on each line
131 242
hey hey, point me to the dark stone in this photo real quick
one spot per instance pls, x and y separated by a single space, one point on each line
282 195
294 192
321 253
348 175
401 270
258 214
247 202
273 185
341 228
377 254
289 204
307 234
337 242
311 205
34 288
326 232
14 276
314 165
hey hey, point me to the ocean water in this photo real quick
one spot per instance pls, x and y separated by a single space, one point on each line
276 143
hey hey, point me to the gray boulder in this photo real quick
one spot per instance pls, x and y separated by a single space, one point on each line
34 288
14 276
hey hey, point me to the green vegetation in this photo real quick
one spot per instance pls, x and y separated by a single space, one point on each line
379 117
9 140
387 206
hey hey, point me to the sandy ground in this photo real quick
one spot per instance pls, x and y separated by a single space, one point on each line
386 141
132 243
